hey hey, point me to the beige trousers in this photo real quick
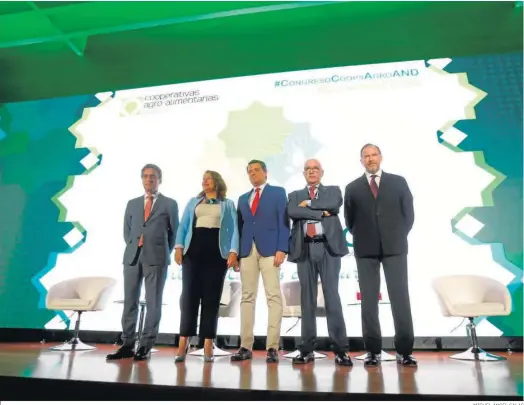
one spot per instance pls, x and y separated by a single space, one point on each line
250 269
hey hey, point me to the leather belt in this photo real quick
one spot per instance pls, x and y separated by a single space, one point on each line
316 239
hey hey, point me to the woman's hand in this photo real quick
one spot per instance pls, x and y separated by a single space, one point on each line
232 260
178 256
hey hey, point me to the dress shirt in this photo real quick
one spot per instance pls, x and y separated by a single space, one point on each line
155 197
254 191
318 225
377 179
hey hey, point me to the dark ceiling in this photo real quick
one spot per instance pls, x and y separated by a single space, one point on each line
61 48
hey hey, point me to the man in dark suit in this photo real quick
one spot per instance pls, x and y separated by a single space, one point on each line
317 245
150 226
378 209
264 236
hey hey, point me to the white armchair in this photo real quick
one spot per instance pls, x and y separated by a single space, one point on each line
230 300
291 300
80 295
470 296
291 305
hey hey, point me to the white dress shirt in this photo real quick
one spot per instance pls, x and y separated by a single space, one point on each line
254 192
155 196
377 179
318 225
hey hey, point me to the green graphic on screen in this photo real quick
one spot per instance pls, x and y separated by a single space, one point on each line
452 127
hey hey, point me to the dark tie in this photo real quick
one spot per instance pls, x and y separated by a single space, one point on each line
310 229
373 185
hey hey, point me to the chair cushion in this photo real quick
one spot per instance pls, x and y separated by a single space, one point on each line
482 309
224 311
69 304
292 311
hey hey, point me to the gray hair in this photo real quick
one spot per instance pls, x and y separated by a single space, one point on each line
155 168
367 145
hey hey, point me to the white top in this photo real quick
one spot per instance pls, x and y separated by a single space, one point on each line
207 216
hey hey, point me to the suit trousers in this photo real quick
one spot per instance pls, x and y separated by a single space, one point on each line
250 269
203 274
317 262
396 274
154 278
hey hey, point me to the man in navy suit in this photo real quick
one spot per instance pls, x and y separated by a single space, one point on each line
264 239
379 213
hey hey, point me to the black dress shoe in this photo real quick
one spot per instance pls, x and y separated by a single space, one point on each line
242 354
406 360
372 359
342 359
272 356
124 352
143 353
304 358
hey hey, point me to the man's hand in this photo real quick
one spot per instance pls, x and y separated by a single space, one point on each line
303 204
178 256
232 260
279 259
326 213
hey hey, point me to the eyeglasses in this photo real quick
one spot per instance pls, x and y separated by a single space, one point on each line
312 169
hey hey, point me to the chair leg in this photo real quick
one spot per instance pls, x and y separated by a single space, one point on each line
216 351
75 344
141 319
292 355
384 356
475 353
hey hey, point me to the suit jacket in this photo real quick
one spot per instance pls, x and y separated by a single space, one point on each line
381 225
329 198
159 230
227 234
269 227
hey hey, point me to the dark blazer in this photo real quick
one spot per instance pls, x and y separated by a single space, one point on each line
329 198
159 230
385 221
269 227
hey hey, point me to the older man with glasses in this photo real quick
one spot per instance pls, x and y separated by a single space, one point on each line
317 245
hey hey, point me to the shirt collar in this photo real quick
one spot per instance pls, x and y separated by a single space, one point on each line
260 187
155 195
378 174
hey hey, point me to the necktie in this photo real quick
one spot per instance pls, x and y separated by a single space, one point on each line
254 204
373 185
310 229
147 212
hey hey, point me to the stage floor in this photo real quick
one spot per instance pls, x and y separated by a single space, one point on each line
436 374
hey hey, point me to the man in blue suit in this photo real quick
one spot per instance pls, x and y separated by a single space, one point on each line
264 239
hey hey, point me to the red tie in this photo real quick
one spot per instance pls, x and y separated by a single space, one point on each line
373 185
254 204
310 229
147 212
